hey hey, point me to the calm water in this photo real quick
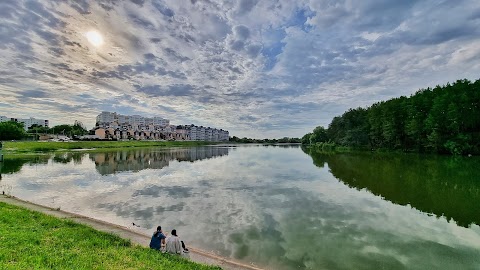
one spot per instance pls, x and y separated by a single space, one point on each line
276 207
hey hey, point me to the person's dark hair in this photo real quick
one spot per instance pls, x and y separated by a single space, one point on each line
174 232
159 228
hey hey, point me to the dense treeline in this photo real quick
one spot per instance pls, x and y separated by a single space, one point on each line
250 140
77 129
445 119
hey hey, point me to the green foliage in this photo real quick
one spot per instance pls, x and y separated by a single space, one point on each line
37 129
445 119
325 146
319 135
306 138
11 131
77 129
250 140
32 240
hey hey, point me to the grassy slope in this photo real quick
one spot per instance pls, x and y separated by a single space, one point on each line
31 240
51 146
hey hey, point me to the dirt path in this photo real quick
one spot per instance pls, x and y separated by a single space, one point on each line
195 254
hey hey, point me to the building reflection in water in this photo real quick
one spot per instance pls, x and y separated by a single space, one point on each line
141 159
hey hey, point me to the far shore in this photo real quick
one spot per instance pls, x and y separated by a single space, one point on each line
38 147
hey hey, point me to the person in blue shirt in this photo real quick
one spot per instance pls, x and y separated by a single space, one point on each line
158 238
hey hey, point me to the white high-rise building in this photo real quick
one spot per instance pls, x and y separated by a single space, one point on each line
4 118
33 121
201 134
156 127
208 134
106 117
26 122
123 119
159 121
215 136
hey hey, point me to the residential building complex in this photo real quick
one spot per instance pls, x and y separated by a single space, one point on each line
117 126
136 122
26 122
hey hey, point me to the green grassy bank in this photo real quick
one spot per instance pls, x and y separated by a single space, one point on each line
31 240
38 146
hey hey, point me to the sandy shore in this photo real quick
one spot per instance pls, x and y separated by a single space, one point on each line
195 254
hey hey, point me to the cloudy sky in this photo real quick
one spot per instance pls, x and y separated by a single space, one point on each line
256 68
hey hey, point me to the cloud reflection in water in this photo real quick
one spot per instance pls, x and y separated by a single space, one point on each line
266 205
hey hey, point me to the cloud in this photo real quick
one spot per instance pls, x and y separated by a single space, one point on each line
34 93
245 6
241 32
221 63
176 192
171 90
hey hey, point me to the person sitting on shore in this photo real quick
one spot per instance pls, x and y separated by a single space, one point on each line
174 245
158 238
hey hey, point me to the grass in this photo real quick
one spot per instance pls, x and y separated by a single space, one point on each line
32 240
37 146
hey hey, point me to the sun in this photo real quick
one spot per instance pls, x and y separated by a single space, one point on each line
94 37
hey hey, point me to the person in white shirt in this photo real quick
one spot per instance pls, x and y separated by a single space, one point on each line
174 245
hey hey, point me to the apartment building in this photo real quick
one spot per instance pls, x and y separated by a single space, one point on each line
136 122
106 117
4 118
117 126
201 133
28 122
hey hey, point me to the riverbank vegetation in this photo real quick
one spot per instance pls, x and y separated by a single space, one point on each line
32 240
444 120
235 139
38 146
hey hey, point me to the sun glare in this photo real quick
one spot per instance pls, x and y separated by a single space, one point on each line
95 38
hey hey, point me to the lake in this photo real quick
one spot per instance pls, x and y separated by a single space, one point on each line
278 207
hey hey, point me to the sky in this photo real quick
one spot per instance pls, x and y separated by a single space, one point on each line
260 69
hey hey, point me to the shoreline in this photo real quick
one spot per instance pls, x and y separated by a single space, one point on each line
39 147
196 254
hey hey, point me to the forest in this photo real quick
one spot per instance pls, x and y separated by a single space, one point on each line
444 120
250 140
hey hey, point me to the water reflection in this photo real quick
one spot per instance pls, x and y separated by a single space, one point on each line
147 158
443 186
117 161
13 165
272 206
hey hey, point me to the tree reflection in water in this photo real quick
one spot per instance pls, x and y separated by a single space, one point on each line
440 185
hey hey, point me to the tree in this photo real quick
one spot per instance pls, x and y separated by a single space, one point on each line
306 138
37 129
11 131
445 119
77 129
319 135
